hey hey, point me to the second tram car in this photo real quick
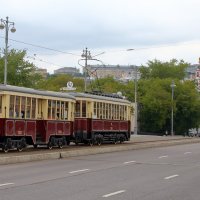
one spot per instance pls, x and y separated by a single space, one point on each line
34 117
101 118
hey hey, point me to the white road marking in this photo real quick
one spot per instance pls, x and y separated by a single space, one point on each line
128 162
188 152
169 177
166 156
81 170
114 193
5 184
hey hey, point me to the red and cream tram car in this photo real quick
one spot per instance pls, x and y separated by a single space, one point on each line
101 118
34 117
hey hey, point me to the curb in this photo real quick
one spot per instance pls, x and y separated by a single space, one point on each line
92 150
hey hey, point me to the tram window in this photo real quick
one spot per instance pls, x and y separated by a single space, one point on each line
23 102
98 110
109 111
103 110
33 108
106 108
78 109
11 110
49 109
125 112
53 109
122 112
95 109
28 107
17 106
58 110
62 106
83 108
66 110
0 103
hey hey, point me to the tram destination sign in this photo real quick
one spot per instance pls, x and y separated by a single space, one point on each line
69 87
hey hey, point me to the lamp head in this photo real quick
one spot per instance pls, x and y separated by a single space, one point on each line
13 29
2 26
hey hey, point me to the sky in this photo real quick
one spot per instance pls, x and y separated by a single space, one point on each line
153 29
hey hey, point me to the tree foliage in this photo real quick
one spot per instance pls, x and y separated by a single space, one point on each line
155 98
156 69
20 72
55 82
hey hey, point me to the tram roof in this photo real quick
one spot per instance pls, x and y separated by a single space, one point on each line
12 88
99 97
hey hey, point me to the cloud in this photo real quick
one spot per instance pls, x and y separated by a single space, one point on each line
71 25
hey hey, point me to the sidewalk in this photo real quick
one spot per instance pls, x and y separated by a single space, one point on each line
152 138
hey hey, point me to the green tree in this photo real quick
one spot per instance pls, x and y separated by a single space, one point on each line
20 72
156 69
55 82
156 104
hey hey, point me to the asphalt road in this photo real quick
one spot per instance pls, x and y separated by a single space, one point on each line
168 173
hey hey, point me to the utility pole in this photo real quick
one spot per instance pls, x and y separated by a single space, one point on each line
6 24
172 111
86 54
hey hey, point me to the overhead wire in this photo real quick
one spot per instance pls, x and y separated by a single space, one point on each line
42 47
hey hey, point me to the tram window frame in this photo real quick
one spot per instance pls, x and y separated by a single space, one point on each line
98 110
125 112
103 110
66 107
49 110
12 106
84 108
22 107
17 106
28 107
53 109
78 109
109 111
95 109
1 101
58 111
106 110
62 110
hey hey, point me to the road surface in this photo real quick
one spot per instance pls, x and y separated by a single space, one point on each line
168 173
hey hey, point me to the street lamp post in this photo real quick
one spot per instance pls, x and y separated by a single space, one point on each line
6 24
172 113
136 110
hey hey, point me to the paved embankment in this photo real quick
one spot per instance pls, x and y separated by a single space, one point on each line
137 142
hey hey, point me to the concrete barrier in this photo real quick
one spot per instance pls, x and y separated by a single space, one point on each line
30 157
72 152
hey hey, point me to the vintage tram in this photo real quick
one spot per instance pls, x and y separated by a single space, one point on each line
101 118
34 117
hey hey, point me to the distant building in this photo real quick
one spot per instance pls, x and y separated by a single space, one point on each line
193 74
68 70
190 72
42 72
118 72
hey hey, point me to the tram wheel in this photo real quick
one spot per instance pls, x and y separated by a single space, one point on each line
20 148
49 146
5 149
99 141
91 142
